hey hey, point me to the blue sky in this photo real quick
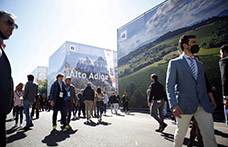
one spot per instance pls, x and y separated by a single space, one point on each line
44 25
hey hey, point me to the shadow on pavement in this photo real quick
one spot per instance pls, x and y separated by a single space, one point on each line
12 130
107 115
93 124
130 114
9 120
120 115
19 135
170 137
57 136
217 132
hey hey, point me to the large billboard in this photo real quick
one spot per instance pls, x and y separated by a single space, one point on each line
147 43
84 63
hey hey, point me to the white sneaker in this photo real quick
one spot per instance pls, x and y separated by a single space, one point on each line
21 125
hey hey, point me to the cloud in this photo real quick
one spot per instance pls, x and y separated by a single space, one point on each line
169 16
130 44
175 14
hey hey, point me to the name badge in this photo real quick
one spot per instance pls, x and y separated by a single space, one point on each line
61 94
158 101
68 93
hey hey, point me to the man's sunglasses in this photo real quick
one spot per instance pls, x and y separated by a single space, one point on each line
10 23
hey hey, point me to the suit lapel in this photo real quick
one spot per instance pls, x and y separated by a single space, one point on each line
186 66
3 54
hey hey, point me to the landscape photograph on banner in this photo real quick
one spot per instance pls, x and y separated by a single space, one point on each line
85 64
147 43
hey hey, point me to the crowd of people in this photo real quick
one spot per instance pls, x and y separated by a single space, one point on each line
187 91
63 98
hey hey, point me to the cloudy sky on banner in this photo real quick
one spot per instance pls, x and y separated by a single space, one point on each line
169 16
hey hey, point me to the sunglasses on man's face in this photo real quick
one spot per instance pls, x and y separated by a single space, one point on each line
10 23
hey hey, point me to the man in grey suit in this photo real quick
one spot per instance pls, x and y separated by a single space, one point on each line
187 94
223 64
7 25
30 92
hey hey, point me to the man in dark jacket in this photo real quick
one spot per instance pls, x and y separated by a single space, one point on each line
30 93
223 64
156 102
88 96
7 26
58 97
115 101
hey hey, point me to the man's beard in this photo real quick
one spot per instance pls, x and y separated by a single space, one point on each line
3 36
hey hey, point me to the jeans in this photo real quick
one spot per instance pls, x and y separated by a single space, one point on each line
19 110
225 114
2 130
100 108
165 108
27 105
111 107
105 107
116 107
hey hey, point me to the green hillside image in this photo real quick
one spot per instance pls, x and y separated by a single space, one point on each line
136 67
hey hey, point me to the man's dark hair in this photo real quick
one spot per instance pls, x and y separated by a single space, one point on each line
98 90
30 77
155 77
185 39
224 47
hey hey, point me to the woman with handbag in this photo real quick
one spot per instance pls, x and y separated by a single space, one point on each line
18 104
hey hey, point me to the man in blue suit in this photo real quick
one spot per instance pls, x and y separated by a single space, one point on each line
7 25
187 94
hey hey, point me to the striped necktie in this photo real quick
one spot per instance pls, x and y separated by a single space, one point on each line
193 67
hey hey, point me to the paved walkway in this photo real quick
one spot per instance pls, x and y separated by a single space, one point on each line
135 129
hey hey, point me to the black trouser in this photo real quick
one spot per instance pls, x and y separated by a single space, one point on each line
42 106
33 110
157 105
69 111
19 110
81 108
14 111
75 109
2 130
60 105
126 106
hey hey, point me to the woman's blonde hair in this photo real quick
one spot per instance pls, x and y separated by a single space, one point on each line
19 87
